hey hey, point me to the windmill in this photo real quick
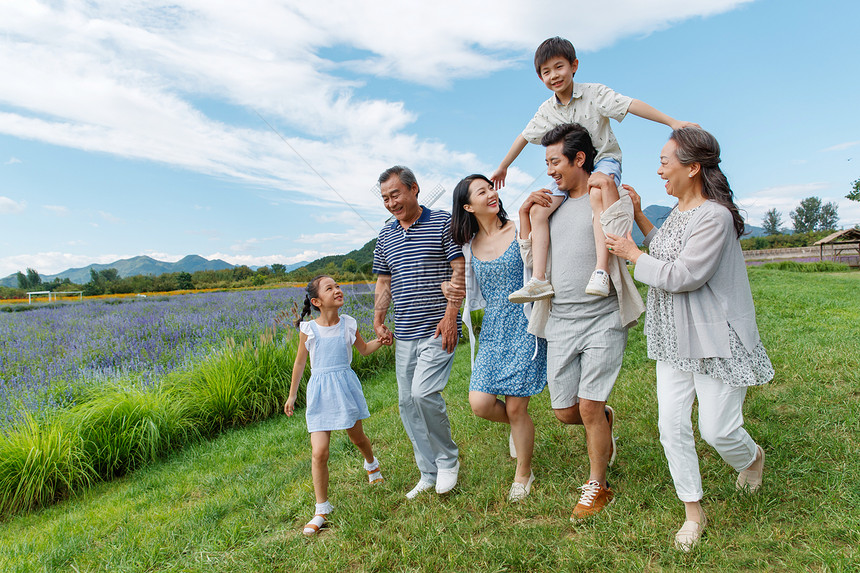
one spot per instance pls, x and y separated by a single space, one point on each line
429 198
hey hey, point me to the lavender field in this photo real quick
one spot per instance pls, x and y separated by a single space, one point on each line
48 353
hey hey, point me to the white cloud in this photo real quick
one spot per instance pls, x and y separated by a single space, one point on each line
343 239
265 260
841 146
109 217
52 262
56 209
9 206
12 161
253 244
786 198
124 78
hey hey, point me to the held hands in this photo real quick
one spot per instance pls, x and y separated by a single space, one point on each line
383 334
623 247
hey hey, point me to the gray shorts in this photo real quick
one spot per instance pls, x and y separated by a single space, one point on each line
583 357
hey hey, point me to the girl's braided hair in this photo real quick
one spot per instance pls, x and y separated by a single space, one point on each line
312 291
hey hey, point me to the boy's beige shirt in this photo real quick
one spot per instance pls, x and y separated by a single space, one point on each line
591 106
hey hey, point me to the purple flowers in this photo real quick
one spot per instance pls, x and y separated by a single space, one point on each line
48 353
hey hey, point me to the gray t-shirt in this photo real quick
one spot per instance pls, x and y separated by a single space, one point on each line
573 259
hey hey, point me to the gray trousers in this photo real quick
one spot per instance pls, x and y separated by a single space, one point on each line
422 368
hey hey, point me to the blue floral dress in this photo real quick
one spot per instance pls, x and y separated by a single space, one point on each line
510 361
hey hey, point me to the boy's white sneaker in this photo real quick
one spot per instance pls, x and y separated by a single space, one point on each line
598 284
533 290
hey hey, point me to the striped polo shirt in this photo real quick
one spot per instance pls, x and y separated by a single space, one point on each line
418 260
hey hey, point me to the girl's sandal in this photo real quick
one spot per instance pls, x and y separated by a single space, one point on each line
375 476
315 524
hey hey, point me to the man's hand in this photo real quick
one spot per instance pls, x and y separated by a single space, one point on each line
447 327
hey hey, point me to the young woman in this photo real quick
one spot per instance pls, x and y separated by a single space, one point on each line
510 362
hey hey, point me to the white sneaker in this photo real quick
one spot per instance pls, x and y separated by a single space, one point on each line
520 491
598 284
512 448
421 486
533 290
447 479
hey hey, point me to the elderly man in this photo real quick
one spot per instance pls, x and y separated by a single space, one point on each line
586 335
414 254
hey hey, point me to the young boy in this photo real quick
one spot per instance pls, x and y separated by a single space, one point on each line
590 105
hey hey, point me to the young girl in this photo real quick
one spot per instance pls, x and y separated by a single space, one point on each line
334 397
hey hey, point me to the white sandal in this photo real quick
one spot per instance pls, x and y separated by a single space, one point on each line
315 524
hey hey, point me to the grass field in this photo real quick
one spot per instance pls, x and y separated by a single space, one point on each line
237 503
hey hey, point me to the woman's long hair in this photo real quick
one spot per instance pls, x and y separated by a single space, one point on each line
312 291
695 145
464 225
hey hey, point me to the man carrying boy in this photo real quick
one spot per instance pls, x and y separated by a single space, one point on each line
590 105
585 335
414 254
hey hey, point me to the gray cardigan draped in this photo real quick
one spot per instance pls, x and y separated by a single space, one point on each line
709 283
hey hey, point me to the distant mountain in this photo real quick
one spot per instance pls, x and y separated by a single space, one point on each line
142 265
658 213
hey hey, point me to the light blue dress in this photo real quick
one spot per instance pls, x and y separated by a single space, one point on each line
334 397
507 363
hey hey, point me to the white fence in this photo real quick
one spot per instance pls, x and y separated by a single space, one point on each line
53 295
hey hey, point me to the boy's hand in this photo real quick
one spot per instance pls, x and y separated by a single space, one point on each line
288 407
679 124
498 178
599 180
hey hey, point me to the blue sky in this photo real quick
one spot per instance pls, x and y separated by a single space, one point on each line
137 127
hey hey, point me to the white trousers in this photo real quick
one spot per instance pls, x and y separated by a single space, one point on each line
721 423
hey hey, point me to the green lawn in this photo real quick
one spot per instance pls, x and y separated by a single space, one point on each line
237 503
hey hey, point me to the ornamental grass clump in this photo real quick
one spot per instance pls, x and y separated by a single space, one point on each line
124 427
40 463
813 267
238 384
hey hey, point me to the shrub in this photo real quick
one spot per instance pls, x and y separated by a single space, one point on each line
123 428
239 383
814 267
40 463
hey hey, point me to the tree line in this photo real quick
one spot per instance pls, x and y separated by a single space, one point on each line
109 281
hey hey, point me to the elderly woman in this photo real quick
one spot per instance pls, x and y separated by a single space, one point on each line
700 320
511 362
